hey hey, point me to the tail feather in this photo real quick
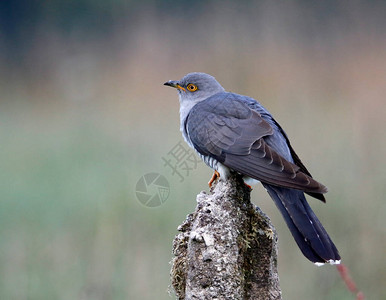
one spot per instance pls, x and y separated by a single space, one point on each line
308 232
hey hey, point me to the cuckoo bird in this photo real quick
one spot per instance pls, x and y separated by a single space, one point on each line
235 133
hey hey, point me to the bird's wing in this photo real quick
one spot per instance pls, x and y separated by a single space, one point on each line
297 161
231 132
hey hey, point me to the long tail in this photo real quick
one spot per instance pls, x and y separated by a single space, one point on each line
305 227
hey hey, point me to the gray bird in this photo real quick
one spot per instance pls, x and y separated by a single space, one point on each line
231 132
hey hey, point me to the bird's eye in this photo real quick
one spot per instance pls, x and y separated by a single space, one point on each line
192 87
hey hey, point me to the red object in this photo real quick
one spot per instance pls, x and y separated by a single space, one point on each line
351 286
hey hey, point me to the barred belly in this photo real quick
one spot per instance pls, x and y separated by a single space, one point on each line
216 165
209 161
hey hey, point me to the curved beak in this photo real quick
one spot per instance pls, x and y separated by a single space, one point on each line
174 84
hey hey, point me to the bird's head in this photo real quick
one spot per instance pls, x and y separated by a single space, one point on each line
195 87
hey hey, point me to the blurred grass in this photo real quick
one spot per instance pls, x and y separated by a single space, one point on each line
69 220
86 118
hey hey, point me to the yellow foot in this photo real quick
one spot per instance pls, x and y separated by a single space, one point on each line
214 177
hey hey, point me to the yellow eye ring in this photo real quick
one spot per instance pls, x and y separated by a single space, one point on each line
192 87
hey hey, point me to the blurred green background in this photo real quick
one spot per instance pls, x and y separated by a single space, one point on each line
83 115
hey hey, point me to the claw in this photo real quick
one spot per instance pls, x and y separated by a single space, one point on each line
214 177
248 186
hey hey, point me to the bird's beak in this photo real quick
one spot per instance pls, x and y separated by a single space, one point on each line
174 84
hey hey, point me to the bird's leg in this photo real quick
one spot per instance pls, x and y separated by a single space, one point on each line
214 177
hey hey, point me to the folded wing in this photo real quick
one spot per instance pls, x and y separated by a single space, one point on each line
233 133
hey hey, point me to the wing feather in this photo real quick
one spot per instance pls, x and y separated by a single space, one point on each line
233 133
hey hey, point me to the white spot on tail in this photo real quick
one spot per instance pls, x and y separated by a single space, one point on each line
331 262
